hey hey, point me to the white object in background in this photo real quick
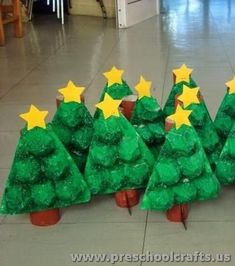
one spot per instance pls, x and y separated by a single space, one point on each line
131 12
62 11
58 8
53 5
30 8
48 2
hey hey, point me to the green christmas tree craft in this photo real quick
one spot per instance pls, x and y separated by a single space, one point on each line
147 117
202 122
182 172
116 87
73 124
225 168
118 159
225 116
43 175
182 76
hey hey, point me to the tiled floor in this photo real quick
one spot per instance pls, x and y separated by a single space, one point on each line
198 33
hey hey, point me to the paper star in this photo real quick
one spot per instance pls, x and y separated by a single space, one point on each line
72 93
180 117
35 118
231 86
182 74
189 96
143 88
109 106
114 76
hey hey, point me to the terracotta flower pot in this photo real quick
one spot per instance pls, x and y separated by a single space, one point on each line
45 218
127 105
127 198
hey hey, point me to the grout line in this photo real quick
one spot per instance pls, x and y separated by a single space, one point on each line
30 71
73 223
145 230
199 221
17 83
49 56
122 222
165 75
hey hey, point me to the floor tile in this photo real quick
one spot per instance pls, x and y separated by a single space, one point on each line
211 210
28 245
32 93
206 237
3 178
6 161
9 115
8 144
61 73
215 210
17 219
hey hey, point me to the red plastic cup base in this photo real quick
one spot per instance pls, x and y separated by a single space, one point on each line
128 104
168 124
127 198
45 218
60 98
178 213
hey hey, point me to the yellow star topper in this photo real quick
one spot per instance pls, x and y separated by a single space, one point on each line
231 86
189 96
114 76
182 74
72 93
35 117
143 88
180 117
109 106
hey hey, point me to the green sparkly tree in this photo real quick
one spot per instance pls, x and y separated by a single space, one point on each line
225 116
147 118
225 168
202 122
73 124
182 76
43 175
182 172
116 87
118 159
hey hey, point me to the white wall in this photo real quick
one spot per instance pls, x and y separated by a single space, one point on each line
131 12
